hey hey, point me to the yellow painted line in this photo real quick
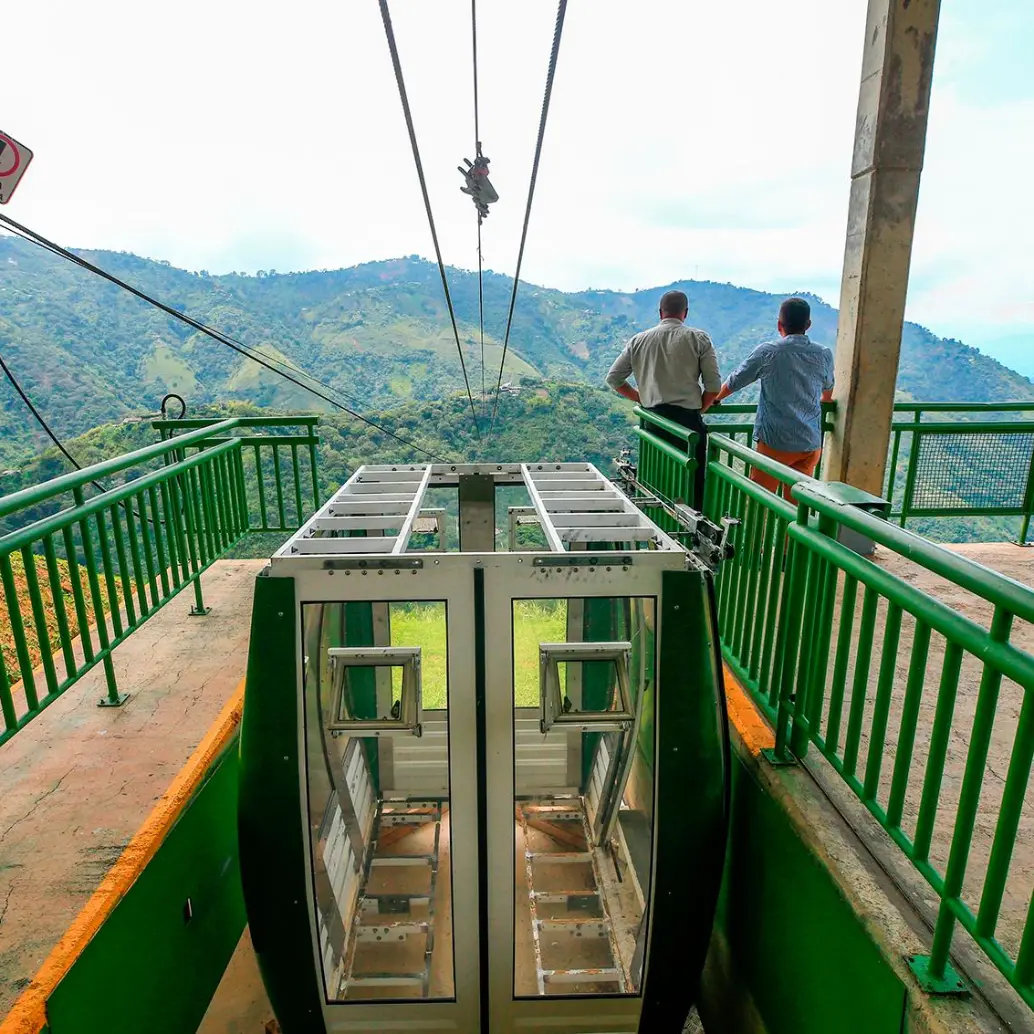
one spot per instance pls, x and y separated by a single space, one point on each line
753 729
28 1014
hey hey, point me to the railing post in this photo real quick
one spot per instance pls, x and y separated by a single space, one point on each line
315 473
690 474
912 471
934 970
199 610
709 484
892 466
194 566
811 683
792 606
1028 502
114 697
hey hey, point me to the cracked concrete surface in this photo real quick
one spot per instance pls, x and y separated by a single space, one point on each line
77 783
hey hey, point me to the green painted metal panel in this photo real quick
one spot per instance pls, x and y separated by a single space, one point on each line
598 625
355 622
692 800
270 821
150 967
795 939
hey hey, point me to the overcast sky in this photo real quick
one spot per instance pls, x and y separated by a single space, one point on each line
685 139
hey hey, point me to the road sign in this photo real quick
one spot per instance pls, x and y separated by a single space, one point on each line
14 160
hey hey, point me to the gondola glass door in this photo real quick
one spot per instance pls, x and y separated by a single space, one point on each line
477 789
390 809
570 783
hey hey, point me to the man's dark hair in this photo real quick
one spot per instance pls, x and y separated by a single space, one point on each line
674 303
794 314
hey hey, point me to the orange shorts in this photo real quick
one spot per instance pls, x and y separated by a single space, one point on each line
805 462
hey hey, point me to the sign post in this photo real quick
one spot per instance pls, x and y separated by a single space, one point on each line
14 160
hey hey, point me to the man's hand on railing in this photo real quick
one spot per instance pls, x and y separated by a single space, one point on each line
627 391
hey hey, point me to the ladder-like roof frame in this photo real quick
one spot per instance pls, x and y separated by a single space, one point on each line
574 502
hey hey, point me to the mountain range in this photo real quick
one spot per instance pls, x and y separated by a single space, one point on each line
378 333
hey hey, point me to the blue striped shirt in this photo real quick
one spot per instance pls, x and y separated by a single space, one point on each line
794 372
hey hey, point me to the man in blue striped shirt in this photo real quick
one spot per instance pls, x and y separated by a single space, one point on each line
796 377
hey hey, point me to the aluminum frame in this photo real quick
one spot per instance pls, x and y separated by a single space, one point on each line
551 704
574 504
405 657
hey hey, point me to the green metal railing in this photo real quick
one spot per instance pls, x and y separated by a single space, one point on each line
952 459
851 660
280 467
670 468
945 459
80 573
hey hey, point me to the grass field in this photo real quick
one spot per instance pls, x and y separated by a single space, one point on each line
423 625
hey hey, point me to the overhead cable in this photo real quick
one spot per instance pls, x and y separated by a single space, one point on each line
35 238
551 72
41 420
403 96
250 350
477 150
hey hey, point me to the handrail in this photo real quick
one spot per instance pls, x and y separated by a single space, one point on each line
103 563
306 419
78 478
962 407
816 633
663 422
969 427
752 458
993 586
53 524
929 472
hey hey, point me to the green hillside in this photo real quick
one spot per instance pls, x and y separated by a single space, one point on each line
561 422
90 354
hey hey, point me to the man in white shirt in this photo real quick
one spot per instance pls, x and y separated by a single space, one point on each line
669 363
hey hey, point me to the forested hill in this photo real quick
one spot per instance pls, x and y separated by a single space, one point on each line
91 354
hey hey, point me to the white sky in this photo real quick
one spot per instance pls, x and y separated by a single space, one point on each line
686 139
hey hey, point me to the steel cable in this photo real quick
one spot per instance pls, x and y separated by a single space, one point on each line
403 96
554 53
56 249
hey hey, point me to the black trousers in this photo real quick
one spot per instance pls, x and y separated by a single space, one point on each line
692 419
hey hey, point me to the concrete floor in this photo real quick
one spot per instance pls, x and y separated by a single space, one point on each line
240 1004
77 783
